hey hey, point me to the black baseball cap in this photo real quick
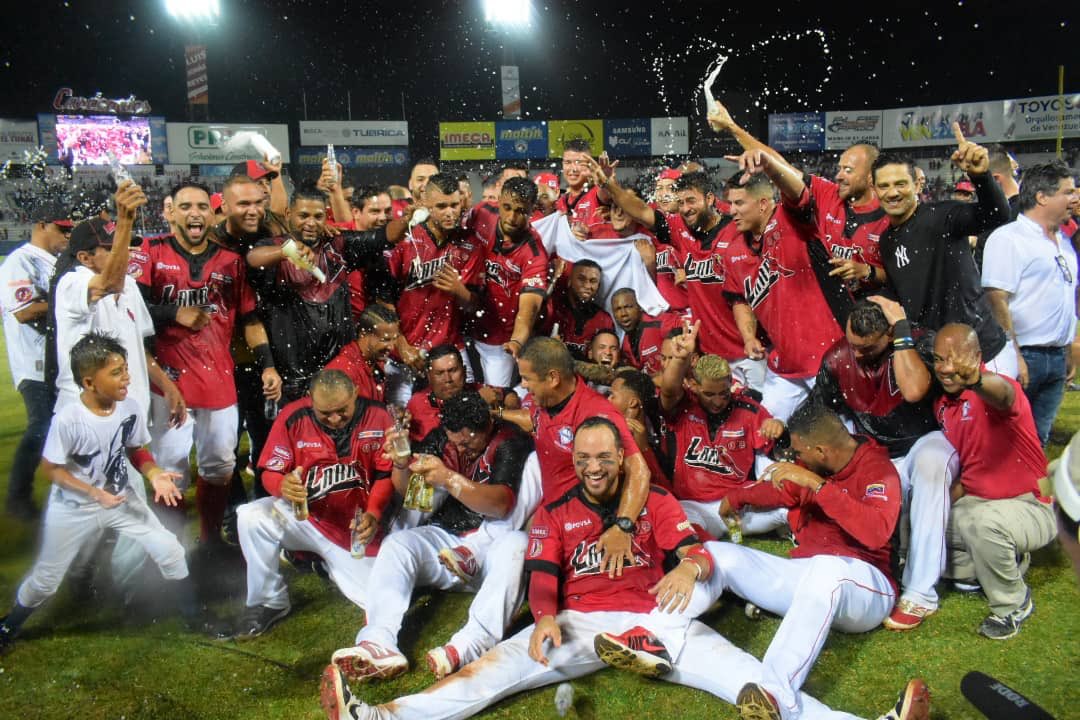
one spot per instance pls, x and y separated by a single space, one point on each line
90 235
52 211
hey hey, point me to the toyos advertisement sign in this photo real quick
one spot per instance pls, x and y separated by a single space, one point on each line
981 122
844 129
797 131
670 136
628 137
355 132
521 139
467 141
205 143
1038 118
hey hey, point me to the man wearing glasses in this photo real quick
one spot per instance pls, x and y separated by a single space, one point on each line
1029 272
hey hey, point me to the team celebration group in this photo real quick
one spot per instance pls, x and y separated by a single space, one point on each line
583 398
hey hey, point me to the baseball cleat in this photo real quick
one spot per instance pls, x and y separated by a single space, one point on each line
369 661
460 561
907 615
637 650
756 703
914 703
258 619
337 701
443 661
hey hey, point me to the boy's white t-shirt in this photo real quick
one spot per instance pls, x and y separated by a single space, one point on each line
93 447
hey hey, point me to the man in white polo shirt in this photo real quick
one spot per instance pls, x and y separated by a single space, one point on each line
24 290
1029 272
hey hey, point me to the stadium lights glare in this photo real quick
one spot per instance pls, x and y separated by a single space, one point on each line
194 10
508 14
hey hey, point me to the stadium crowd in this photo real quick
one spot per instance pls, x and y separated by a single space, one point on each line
570 390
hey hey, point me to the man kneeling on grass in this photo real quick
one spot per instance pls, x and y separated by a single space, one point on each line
578 608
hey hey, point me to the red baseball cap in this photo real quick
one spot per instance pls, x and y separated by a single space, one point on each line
548 180
669 174
254 170
215 201
964 186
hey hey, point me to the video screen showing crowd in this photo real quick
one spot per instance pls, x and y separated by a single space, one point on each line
591 385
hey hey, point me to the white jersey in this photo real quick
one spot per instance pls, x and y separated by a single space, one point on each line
123 316
24 279
93 447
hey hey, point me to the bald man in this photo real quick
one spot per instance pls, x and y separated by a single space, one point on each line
998 514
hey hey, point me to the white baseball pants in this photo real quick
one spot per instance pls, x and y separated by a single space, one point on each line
780 395
498 365
213 433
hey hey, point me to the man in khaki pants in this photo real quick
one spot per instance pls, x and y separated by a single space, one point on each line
998 512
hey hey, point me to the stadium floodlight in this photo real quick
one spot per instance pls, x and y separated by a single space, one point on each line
508 14
194 10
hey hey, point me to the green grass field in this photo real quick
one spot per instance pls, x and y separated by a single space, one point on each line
100 661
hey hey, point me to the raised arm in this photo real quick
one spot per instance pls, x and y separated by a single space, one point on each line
783 175
912 375
678 365
631 204
990 209
129 198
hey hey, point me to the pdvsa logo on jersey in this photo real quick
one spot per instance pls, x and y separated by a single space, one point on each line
577 524
565 437
301 444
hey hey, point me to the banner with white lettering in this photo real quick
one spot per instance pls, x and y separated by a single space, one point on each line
16 138
670 135
368 133
198 82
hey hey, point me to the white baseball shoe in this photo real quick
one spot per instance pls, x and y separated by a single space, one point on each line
337 702
369 661
443 661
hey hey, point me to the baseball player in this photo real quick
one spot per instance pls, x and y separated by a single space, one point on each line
515 280
577 606
197 292
878 375
572 307
643 334
844 501
85 457
324 452
715 438
479 463
377 334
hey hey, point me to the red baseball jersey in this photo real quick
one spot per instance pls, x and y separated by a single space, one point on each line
667 263
1000 452
563 542
510 270
368 379
555 427
847 231
341 474
710 457
577 325
357 293
641 347
199 362
852 515
429 316
582 208
778 281
701 255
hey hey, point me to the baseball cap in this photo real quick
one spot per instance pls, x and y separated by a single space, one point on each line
547 180
215 201
964 186
52 211
254 170
669 174
1065 474
90 235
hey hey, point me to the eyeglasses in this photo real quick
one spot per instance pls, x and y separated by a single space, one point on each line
1063 266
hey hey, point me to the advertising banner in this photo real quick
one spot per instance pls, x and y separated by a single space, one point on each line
797 131
981 122
1037 118
16 137
670 136
467 141
521 140
844 129
198 84
562 131
358 157
204 143
367 133
627 137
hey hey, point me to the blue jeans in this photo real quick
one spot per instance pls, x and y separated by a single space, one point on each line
1046 385
38 399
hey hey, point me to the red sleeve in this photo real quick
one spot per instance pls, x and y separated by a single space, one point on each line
382 492
763 494
824 193
671 529
277 456
140 456
141 260
870 514
543 595
544 560
733 287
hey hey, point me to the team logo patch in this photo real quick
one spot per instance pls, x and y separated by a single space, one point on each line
741 432
24 294
644 527
536 547
876 490
565 437
684 525
370 434
134 270
279 458
538 531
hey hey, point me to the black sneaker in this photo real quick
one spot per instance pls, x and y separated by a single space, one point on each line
7 636
1003 628
257 620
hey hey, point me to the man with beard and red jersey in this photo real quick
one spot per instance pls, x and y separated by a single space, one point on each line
580 205
643 334
197 293
476 464
878 376
308 320
515 280
770 278
324 450
573 308
362 360
847 214
439 270
561 400
700 236
715 440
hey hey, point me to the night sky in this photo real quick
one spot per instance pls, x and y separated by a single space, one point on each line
578 60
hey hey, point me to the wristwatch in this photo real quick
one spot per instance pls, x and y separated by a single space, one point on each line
625 524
